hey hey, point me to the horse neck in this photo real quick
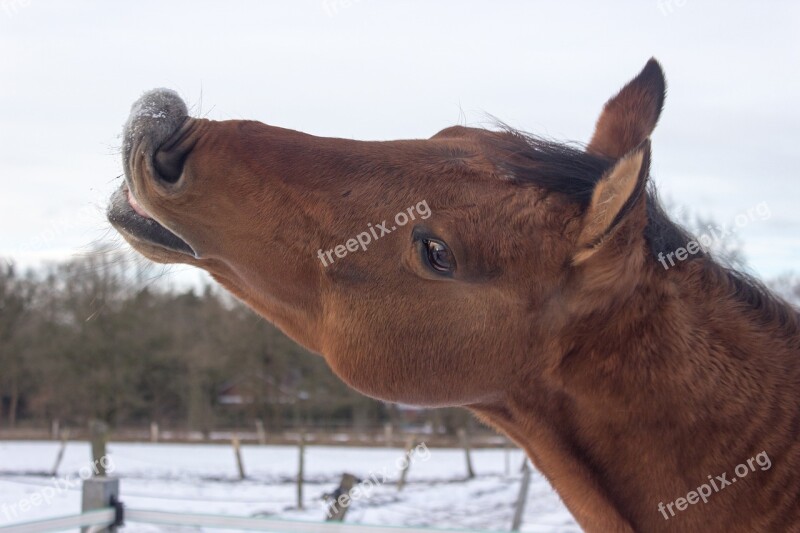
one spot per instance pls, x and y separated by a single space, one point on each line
696 373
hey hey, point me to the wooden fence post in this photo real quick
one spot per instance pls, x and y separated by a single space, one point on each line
237 450
337 511
55 430
404 472
301 468
522 498
98 431
61 449
464 438
154 432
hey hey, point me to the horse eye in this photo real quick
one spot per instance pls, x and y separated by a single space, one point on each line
438 256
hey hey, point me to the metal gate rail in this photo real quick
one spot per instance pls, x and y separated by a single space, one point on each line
266 524
101 519
106 517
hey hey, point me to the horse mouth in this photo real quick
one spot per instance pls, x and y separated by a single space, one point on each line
129 218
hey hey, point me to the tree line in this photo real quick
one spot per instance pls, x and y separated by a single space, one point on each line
101 337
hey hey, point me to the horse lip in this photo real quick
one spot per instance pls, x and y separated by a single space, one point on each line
127 220
138 209
125 211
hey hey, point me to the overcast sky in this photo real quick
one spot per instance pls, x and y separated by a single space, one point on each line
371 69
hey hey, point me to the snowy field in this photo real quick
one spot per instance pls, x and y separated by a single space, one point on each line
203 479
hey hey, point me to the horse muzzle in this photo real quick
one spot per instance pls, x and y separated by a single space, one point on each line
157 139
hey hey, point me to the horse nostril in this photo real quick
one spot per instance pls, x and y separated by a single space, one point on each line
169 164
170 158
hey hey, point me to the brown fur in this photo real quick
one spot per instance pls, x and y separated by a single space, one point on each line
626 383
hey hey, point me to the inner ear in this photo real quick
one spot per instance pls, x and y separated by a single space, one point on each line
631 116
614 196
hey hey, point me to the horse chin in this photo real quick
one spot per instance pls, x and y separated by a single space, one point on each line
156 253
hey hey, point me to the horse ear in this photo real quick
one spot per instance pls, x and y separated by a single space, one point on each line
630 117
616 194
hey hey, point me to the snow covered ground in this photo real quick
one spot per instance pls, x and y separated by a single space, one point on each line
203 479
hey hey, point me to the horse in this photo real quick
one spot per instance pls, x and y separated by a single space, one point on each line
522 278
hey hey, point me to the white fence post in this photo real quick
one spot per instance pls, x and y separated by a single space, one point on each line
99 493
261 432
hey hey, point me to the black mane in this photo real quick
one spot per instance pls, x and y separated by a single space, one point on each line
567 169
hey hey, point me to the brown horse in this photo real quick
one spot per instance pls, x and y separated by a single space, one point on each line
520 278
